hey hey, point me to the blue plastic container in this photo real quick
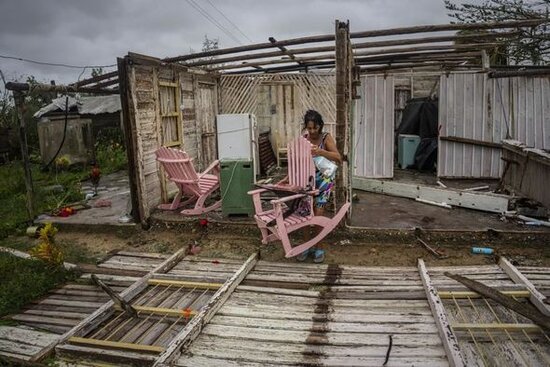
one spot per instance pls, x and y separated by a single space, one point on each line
482 250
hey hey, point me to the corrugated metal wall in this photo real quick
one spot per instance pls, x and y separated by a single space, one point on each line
473 106
373 125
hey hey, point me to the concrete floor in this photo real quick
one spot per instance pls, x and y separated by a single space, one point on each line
113 189
371 211
379 211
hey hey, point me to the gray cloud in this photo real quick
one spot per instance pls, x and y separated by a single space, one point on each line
96 32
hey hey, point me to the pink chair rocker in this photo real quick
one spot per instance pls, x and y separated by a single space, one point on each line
179 169
274 224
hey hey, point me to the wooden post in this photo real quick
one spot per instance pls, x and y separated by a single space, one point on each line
129 137
19 99
342 99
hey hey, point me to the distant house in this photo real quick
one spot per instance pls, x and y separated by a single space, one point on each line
87 117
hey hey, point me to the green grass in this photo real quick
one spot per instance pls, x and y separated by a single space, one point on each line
111 158
24 280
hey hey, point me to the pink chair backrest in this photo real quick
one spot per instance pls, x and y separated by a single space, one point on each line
177 164
301 169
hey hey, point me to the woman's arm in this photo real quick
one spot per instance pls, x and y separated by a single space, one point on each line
330 151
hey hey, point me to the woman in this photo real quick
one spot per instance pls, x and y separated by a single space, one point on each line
323 145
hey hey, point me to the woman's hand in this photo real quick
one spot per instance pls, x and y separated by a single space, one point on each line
315 150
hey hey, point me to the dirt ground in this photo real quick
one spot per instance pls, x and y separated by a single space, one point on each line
91 245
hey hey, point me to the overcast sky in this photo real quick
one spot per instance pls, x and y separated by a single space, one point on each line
80 32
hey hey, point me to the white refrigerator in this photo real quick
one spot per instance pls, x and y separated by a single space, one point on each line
238 138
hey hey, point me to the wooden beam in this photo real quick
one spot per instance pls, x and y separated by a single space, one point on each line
107 309
401 50
374 33
116 345
453 38
481 143
285 50
46 88
115 297
466 294
193 329
489 202
523 309
257 46
496 327
96 79
314 50
185 284
536 298
449 340
417 56
448 27
442 65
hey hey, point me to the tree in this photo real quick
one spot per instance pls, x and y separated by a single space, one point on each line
97 72
532 46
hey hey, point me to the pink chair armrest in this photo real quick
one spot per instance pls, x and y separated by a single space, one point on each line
256 191
288 198
212 165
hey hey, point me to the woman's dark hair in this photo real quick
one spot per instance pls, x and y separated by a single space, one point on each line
312 115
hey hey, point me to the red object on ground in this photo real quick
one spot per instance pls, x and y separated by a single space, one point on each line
203 222
66 211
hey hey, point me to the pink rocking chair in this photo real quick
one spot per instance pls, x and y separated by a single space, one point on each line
274 224
198 187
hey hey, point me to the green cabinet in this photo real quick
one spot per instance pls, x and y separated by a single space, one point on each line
236 179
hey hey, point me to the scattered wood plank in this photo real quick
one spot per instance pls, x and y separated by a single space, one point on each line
88 268
193 329
448 338
335 339
434 252
110 356
536 298
116 345
27 336
107 309
115 297
186 284
523 309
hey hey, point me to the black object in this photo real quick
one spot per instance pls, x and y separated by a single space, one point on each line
388 351
282 192
420 117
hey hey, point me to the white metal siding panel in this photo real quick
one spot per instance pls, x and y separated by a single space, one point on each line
373 128
477 107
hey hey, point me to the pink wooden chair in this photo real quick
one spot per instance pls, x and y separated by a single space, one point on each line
274 223
179 169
